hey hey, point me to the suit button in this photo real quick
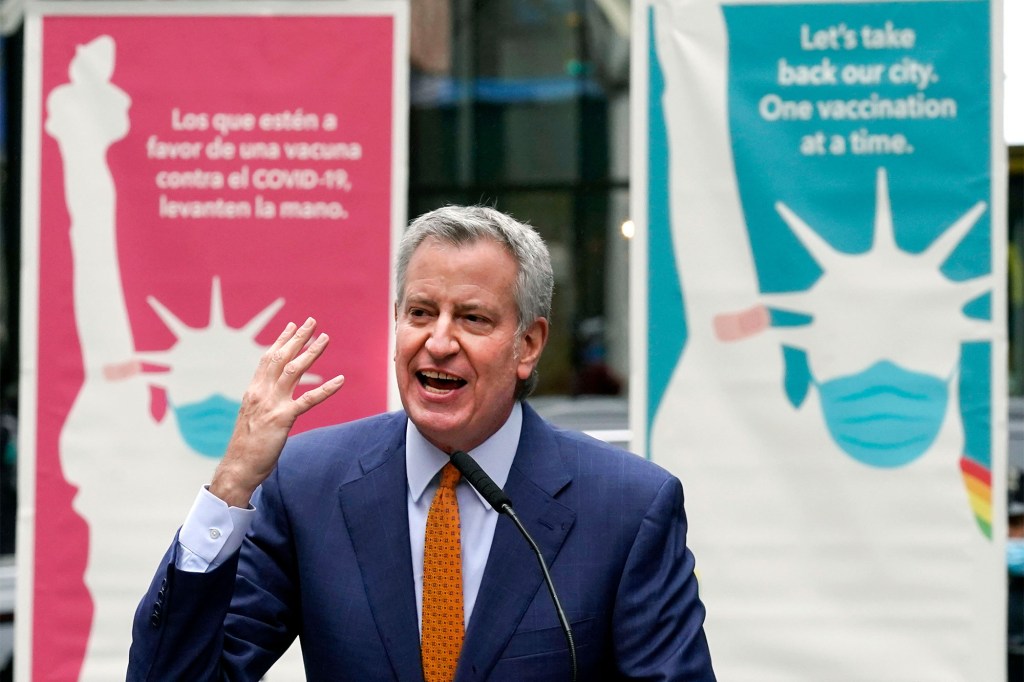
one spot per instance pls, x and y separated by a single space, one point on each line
154 620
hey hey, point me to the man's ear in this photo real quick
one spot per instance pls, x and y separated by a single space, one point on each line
395 356
531 345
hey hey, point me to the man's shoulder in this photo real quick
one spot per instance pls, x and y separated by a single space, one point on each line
340 445
372 427
606 456
593 477
587 454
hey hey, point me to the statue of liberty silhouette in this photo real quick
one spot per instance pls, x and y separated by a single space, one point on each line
828 408
136 467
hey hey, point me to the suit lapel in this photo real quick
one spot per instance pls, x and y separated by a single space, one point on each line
375 511
512 576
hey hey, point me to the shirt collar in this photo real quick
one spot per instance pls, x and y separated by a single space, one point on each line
423 460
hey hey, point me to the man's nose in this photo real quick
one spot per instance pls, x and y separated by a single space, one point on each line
442 342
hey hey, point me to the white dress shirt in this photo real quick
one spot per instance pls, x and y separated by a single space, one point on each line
423 464
213 531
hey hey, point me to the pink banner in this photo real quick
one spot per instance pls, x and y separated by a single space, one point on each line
203 181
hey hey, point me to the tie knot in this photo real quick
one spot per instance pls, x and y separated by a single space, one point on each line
450 476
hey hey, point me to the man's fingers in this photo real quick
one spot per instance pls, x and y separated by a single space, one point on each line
316 396
269 410
293 346
296 368
283 367
273 353
285 348
286 335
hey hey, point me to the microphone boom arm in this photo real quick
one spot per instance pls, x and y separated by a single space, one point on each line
501 503
563 621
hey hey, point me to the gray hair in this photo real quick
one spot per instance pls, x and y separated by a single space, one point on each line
463 225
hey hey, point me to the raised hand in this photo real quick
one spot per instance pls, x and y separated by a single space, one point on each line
269 410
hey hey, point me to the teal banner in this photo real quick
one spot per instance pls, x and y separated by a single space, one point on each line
861 143
820 313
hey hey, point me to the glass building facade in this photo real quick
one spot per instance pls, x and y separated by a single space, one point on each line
523 106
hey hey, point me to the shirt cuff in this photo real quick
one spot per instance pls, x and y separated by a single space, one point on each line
212 532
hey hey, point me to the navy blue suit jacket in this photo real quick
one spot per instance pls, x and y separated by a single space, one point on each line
327 560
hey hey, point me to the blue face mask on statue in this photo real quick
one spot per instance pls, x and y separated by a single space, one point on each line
885 416
207 425
1015 556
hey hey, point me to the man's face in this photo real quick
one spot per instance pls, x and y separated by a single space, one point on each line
457 359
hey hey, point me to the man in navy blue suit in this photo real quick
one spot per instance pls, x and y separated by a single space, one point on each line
321 536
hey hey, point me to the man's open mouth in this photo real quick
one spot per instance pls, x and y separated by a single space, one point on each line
439 381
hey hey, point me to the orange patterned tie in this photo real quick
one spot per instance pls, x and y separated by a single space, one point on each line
443 628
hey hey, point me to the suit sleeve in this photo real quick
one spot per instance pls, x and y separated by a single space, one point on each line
225 624
178 631
659 618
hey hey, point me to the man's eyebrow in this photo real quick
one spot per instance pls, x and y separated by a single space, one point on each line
418 298
473 306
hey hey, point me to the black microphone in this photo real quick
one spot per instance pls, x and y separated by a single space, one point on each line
479 479
501 503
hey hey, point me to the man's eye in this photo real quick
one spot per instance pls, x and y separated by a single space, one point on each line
417 312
